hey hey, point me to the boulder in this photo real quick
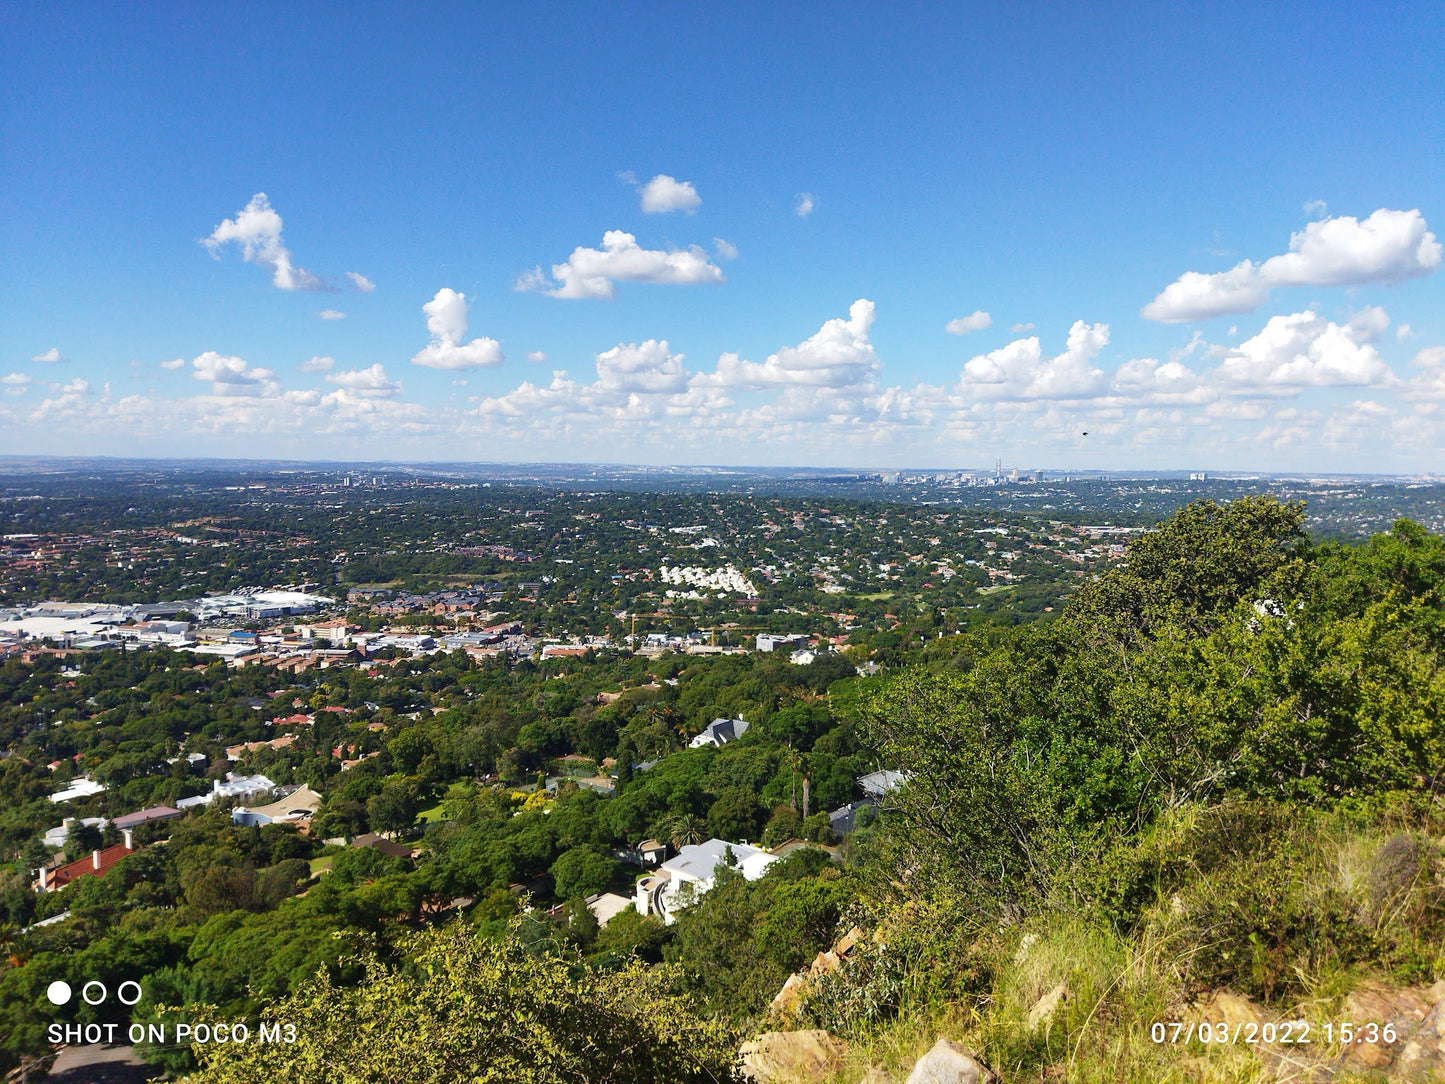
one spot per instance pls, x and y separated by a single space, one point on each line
1045 1007
1423 1056
950 1063
1381 1005
1224 1007
786 999
792 1057
847 942
824 962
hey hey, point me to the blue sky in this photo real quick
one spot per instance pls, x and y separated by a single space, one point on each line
1047 168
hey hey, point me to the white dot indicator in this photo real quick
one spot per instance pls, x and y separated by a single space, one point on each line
58 992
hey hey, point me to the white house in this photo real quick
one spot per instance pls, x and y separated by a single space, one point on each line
692 873
719 732
57 837
299 805
83 787
606 906
233 786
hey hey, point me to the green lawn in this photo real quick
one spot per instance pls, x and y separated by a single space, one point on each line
456 790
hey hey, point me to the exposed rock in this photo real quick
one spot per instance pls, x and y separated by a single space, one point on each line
786 999
1044 1009
950 1063
1423 1056
1378 1005
1371 1002
825 961
1224 1006
792 1057
876 1076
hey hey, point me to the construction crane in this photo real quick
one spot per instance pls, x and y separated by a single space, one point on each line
658 616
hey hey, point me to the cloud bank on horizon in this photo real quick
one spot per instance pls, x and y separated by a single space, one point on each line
826 394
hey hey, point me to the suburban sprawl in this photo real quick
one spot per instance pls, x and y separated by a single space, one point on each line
794 754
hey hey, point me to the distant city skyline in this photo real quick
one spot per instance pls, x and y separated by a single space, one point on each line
1192 239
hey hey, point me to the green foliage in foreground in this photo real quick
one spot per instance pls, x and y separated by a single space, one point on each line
465 1009
1225 663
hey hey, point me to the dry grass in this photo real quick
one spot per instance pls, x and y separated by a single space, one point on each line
1119 986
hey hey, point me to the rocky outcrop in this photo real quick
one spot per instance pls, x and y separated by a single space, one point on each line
1423 1054
785 1001
1398 1034
1042 1014
792 1057
950 1063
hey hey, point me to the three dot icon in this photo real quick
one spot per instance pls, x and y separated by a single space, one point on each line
92 993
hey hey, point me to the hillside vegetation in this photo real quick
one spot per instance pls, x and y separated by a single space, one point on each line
1210 790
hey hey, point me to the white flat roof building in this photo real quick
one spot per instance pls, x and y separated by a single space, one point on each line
58 836
83 787
233 786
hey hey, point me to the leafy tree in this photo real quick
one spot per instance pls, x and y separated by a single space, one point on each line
584 871
484 1010
737 815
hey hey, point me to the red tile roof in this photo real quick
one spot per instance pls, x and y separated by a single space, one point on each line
86 867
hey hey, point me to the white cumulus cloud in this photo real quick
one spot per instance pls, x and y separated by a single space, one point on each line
646 368
317 364
837 355
257 229
594 273
446 319
663 194
962 325
1152 381
537 357
1387 247
806 201
53 356
1430 383
1304 350
331 314
1019 370
370 383
229 375
360 283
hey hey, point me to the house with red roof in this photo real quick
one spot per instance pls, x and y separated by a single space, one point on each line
95 864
